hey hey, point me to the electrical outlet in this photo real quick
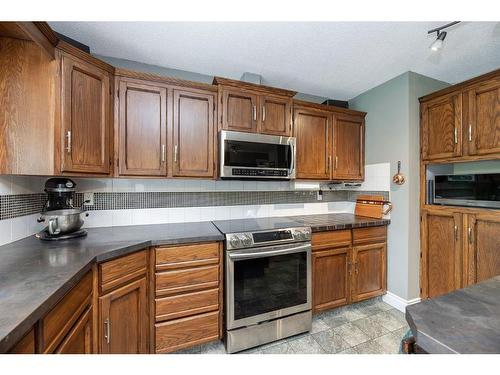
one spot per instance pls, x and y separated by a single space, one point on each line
319 195
88 197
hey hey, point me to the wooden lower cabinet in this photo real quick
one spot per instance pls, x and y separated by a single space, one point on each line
348 266
188 295
26 345
79 340
331 275
123 319
369 275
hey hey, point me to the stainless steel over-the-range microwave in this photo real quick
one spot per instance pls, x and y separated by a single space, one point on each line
474 190
256 156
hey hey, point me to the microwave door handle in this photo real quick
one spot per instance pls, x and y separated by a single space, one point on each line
292 163
262 254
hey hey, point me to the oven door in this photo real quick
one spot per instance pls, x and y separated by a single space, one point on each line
267 156
267 283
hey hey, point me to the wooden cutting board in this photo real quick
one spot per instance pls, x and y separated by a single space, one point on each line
372 206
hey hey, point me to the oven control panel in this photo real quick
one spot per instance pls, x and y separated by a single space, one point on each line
264 238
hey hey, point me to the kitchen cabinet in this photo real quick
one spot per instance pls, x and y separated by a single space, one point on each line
348 148
193 133
85 116
442 252
248 107
188 295
79 340
142 129
441 124
26 345
484 118
123 304
312 129
348 266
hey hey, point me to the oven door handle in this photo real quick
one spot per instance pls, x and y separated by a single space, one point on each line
262 254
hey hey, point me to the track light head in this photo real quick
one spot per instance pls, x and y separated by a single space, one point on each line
438 43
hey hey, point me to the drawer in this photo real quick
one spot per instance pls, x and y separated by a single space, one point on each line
187 304
118 271
57 323
362 236
186 332
187 256
189 279
331 239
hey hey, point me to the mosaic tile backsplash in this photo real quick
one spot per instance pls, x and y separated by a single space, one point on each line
12 206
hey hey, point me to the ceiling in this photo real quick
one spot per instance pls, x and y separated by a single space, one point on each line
333 59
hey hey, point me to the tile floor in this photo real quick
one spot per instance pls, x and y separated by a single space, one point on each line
369 327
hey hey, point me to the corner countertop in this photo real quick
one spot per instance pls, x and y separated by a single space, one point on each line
35 275
465 321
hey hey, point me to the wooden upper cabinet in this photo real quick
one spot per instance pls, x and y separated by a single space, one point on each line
193 133
441 252
123 319
484 244
369 271
239 110
348 147
85 116
331 270
275 115
142 129
442 127
312 129
484 118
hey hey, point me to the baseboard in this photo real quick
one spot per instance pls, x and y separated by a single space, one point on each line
398 302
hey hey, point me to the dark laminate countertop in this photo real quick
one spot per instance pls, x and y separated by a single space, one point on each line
463 321
35 274
321 223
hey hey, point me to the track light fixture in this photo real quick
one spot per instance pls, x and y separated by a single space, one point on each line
441 35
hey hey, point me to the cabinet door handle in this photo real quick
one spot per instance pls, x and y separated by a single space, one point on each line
107 333
175 153
336 162
163 153
263 113
255 113
470 235
470 132
456 233
349 268
68 141
456 135
329 163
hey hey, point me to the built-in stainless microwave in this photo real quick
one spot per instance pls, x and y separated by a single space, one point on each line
475 190
256 156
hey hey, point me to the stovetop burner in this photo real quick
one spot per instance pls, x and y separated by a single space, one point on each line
45 236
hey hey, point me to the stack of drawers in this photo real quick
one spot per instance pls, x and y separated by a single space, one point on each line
188 295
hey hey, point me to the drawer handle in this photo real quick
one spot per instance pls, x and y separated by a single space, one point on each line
107 332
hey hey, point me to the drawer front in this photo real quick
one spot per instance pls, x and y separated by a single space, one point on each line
362 236
331 239
186 332
187 256
61 318
187 279
182 305
117 272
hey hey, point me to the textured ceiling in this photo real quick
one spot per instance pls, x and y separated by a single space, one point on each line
333 59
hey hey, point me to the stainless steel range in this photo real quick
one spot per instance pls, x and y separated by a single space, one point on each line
267 281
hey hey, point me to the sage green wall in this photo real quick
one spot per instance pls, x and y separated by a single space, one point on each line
392 126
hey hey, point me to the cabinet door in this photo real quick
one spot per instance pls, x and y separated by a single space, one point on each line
26 345
484 240
239 110
369 278
484 119
143 130
275 115
85 115
312 129
123 318
441 252
348 148
331 278
79 339
442 127
193 134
